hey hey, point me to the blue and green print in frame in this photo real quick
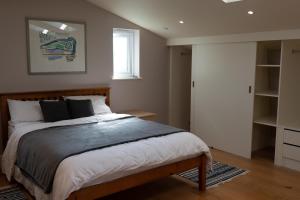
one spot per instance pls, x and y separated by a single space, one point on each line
56 46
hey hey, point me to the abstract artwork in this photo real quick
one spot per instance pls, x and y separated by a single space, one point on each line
56 47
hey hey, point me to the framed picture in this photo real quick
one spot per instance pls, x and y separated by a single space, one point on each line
56 46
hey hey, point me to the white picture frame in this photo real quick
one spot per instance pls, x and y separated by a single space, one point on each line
56 46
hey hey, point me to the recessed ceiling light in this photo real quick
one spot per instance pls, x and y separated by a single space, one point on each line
231 1
63 27
181 22
250 12
45 31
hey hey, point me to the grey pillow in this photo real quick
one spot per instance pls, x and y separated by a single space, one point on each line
80 108
54 111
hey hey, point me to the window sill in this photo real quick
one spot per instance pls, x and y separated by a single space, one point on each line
127 78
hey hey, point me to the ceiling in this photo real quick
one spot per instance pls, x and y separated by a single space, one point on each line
206 17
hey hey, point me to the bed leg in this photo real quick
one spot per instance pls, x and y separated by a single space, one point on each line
202 173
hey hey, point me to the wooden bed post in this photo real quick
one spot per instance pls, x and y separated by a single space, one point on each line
202 173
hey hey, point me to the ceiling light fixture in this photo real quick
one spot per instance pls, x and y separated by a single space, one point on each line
45 31
231 1
63 26
250 12
181 22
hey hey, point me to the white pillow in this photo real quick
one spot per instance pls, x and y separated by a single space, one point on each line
98 103
24 111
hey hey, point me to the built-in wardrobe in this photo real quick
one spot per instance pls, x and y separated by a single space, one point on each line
246 98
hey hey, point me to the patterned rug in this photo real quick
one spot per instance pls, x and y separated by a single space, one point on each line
12 192
219 174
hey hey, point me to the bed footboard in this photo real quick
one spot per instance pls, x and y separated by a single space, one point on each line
104 189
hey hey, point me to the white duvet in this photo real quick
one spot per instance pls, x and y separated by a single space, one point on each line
103 165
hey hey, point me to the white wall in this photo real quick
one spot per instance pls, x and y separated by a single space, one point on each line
150 93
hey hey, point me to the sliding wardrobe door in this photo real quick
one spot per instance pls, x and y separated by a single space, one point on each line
222 96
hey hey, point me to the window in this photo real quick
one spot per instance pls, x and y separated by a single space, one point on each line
126 53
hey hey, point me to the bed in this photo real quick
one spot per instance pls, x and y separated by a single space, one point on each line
115 182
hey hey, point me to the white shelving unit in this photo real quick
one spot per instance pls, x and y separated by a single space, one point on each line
266 97
269 125
288 129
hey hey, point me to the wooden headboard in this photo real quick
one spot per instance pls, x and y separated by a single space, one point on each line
43 95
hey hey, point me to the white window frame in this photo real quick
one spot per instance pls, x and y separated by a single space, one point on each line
133 65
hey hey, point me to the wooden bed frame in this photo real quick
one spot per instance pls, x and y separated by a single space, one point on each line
104 189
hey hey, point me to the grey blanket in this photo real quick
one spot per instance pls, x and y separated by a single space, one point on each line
41 151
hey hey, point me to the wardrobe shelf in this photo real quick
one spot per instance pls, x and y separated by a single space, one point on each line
267 93
267 153
276 66
267 120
